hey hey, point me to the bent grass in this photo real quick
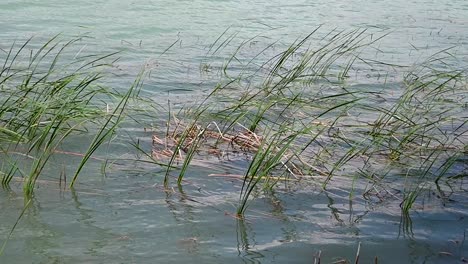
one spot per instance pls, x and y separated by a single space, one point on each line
297 119
44 102
294 118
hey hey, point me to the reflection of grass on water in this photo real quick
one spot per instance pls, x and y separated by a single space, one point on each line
294 117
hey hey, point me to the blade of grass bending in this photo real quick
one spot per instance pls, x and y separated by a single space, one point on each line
446 166
201 108
269 163
253 166
189 157
178 147
105 131
7 177
11 135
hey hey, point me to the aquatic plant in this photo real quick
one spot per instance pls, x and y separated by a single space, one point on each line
298 119
45 101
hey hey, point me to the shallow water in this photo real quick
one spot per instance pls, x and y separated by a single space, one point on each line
128 217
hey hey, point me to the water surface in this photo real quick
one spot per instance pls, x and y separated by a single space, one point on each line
127 216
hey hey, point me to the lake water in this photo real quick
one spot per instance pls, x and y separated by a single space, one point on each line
128 217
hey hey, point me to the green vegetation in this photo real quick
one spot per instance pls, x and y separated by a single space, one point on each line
300 121
45 102
295 117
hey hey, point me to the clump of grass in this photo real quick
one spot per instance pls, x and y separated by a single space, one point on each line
297 118
45 101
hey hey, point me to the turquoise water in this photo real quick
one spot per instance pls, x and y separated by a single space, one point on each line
128 217
143 30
